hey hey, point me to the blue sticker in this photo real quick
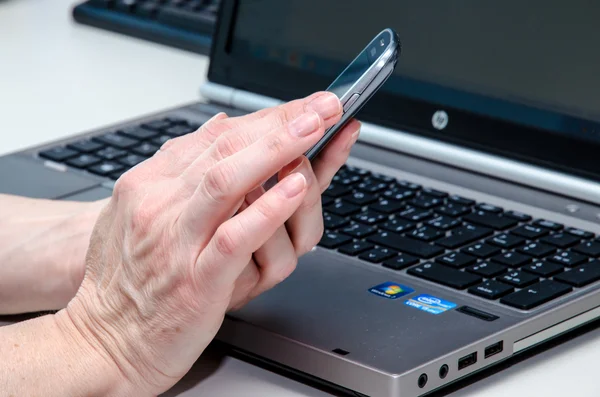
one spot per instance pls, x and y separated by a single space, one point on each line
391 290
430 304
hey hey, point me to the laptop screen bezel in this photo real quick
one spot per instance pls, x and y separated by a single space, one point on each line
467 129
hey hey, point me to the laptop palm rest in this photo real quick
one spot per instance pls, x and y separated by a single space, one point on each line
24 177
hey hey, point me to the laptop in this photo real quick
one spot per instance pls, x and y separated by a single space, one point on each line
463 230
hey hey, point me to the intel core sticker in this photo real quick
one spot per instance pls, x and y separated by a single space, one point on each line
430 304
391 290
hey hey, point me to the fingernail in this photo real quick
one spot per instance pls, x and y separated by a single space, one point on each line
293 185
305 124
303 168
327 105
353 138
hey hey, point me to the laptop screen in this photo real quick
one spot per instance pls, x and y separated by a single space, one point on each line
518 78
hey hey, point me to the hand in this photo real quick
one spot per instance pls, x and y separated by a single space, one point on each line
189 233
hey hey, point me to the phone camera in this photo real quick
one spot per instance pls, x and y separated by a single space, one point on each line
382 42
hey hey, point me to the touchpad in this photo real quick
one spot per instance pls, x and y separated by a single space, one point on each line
24 177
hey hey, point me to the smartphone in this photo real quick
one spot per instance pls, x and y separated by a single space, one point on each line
360 80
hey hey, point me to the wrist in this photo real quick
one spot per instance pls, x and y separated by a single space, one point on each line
100 373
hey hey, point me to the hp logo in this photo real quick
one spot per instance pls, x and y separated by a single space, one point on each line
439 120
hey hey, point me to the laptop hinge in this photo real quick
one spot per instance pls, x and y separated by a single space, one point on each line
239 99
430 149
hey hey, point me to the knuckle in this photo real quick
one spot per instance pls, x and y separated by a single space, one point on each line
226 146
216 182
126 183
286 270
226 241
273 145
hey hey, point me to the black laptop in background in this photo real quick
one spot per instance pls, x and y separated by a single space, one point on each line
184 24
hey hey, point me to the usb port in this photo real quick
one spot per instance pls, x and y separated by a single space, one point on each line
467 361
494 349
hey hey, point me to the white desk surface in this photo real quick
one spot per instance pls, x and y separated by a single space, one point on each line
59 78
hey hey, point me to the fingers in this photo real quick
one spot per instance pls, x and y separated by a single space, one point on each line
305 226
220 188
335 154
234 133
233 243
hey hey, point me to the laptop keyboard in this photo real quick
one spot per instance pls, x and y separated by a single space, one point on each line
110 155
490 252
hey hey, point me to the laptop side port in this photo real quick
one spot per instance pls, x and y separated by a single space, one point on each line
494 349
467 361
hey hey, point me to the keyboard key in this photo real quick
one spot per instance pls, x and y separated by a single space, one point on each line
435 193
347 179
83 161
145 149
58 154
398 193
116 140
487 219
461 200
106 168
370 217
536 249
397 225
160 140
358 171
521 217
444 222
179 130
444 275
387 206
518 278
184 19
334 240
582 275
138 133
377 255
360 198
548 224
456 259
355 248
383 178
512 259
536 294
487 269
131 160
342 208
402 261
157 125
489 208
481 250
505 240
415 214
116 175
567 258
358 230
406 245
110 153
326 200
85 146
589 248
560 240
336 191
409 185
332 221
464 235
372 186
425 233
453 210
530 231
543 268
425 202
580 233
491 289
147 9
